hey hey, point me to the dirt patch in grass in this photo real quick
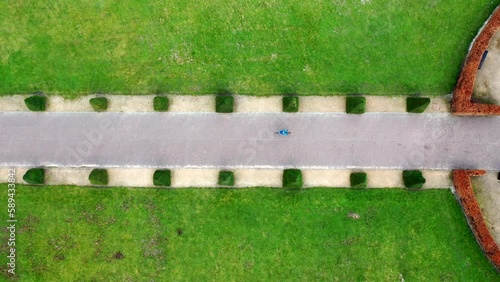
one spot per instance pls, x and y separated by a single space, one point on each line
118 255
470 206
487 191
487 84
462 102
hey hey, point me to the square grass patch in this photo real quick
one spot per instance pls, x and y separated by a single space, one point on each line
358 180
290 104
417 105
355 105
292 179
36 103
162 177
35 176
224 104
413 179
226 178
160 103
99 177
99 104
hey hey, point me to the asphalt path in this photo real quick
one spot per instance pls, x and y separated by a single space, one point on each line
247 140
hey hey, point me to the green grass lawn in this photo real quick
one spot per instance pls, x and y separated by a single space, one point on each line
75 234
239 46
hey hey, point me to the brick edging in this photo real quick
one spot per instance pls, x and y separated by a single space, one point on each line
461 103
470 206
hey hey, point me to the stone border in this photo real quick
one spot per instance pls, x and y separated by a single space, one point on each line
467 199
462 95
206 103
208 178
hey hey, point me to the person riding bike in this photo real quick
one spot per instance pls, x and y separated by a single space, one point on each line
283 132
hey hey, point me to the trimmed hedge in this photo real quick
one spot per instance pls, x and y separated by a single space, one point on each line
224 104
290 104
292 179
417 105
99 177
413 179
162 177
35 176
36 103
355 105
358 180
226 178
160 103
100 104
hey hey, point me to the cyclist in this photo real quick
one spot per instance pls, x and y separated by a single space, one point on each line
283 132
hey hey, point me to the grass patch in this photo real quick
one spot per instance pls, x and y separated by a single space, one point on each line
224 104
355 105
99 104
413 179
99 177
160 103
292 179
226 178
417 105
290 104
197 47
36 103
35 176
358 180
85 234
162 177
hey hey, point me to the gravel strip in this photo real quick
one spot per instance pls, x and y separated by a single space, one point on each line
206 103
182 178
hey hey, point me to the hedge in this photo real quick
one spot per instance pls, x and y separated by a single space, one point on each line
292 179
413 179
417 105
358 180
160 103
162 177
355 105
36 103
224 104
35 176
290 104
226 178
99 177
100 104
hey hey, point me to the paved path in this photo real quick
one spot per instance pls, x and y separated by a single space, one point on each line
399 141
